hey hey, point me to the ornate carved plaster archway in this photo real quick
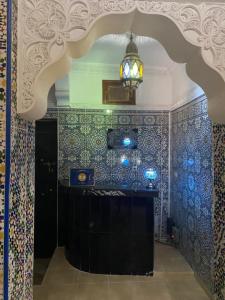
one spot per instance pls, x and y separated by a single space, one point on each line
51 32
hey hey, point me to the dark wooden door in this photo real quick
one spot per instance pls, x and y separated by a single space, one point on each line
45 233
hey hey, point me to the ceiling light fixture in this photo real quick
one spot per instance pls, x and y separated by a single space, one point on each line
131 68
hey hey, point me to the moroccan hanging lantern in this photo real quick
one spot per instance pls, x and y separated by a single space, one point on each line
131 68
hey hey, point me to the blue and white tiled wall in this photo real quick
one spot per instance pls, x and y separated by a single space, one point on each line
82 138
192 186
82 143
219 209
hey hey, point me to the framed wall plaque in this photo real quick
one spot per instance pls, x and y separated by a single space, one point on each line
114 93
79 177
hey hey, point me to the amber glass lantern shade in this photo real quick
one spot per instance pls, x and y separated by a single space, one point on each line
131 68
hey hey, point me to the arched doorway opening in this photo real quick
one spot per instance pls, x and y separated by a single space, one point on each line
41 76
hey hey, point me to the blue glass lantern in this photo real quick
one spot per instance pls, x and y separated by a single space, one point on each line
151 175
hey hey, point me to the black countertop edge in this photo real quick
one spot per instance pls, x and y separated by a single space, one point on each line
108 190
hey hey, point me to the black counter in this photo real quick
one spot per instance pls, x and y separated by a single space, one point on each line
109 230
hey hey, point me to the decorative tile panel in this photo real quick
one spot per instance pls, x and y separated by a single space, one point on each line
192 186
22 213
17 242
82 138
30 198
21 193
219 209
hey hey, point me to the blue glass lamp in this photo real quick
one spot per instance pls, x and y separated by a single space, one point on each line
151 175
124 161
126 142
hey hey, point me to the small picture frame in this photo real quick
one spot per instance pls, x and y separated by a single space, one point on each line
115 94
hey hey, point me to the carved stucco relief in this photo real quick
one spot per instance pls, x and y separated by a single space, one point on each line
46 25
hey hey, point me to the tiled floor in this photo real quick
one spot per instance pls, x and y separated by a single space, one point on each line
173 280
40 268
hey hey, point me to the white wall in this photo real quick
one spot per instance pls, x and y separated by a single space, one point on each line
85 86
165 86
183 88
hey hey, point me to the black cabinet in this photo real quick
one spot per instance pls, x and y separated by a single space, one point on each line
109 231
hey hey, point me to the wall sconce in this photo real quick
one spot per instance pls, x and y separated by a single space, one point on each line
151 175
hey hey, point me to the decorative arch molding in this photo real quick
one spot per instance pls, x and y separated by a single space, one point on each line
53 31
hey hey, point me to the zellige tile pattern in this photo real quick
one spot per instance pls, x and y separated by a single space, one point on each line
219 209
82 138
192 186
3 54
21 193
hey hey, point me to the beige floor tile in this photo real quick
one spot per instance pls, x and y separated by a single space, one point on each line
121 278
156 290
165 251
121 291
185 287
185 280
173 280
99 291
85 277
40 293
59 262
61 277
188 295
169 259
138 278
158 265
176 264
62 292
129 278
160 275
